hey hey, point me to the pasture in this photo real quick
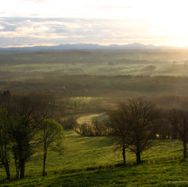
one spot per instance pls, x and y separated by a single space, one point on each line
172 173
100 68
81 152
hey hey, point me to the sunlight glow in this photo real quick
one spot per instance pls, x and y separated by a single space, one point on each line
119 21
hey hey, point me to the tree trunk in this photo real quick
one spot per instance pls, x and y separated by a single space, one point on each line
138 157
184 150
5 163
124 158
44 161
16 162
17 169
22 168
168 135
174 136
7 169
4 158
163 136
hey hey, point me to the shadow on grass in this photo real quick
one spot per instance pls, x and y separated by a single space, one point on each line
92 141
89 178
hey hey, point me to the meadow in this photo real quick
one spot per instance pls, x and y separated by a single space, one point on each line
172 173
82 152
22 66
100 68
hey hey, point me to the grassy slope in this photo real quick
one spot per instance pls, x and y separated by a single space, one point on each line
172 173
81 152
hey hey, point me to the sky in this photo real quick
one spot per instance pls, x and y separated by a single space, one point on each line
54 22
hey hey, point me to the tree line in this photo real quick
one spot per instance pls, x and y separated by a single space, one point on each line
25 128
98 86
137 124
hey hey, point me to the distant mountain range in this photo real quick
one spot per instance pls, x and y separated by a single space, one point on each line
83 47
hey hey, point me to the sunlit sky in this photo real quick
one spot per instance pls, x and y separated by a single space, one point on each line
53 22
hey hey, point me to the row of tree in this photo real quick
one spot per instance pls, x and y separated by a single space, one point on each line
136 123
25 128
97 86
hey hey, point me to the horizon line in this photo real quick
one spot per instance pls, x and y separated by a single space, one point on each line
53 45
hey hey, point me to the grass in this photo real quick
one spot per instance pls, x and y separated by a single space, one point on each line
100 68
172 173
82 151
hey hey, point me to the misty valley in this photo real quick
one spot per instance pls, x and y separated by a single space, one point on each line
81 113
109 76
93 93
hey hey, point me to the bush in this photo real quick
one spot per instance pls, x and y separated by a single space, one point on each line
70 122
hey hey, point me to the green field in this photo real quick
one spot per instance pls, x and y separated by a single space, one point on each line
83 152
167 174
21 66
100 68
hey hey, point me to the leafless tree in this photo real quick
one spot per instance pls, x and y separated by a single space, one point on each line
136 122
179 122
119 130
98 127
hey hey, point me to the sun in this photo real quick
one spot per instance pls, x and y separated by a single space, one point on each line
170 19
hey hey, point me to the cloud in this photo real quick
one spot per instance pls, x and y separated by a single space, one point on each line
109 6
36 1
9 27
37 31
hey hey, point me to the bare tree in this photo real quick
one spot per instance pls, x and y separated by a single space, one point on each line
179 122
119 131
98 127
143 120
137 125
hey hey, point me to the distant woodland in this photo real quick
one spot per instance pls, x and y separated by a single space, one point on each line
111 75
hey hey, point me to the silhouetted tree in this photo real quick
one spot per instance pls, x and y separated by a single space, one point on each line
24 116
70 122
138 121
142 116
164 129
179 121
120 130
98 127
6 93
5 145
